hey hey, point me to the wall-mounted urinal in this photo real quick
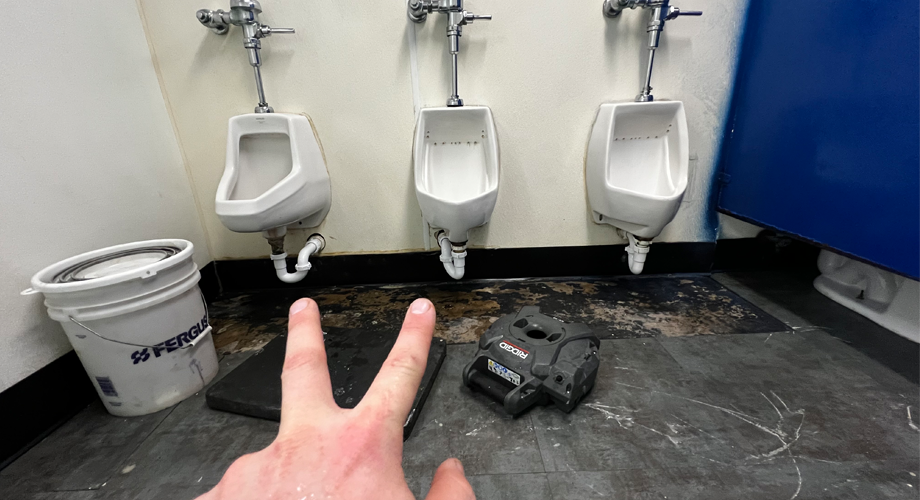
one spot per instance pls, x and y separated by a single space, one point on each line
636 166
636 170
456 165
275 174
455 153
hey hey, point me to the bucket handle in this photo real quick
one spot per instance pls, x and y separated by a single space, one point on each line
186 346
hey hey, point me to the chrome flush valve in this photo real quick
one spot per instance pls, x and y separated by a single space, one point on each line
661 11
245 14
217 20
418 11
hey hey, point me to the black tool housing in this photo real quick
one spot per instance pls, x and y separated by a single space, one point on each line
529 358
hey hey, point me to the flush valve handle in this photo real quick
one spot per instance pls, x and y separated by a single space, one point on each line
674 12
267 31
469 17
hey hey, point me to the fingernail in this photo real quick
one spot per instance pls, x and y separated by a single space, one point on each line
298 306
458 464
420 306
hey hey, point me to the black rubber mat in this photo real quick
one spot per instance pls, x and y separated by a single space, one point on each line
354 357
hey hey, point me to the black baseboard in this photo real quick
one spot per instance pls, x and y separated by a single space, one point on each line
504 263
765 252
40 403
768 251
210 282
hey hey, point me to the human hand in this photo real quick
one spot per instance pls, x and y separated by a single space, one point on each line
326 452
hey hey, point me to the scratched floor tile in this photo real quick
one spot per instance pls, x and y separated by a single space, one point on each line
511 487
457 422
495 486
793 299
684 483
194 446
884 374
767 361
61 495
784 481
843 413
621 426
726 423
640 414
138 492
699 403
80 455
803 479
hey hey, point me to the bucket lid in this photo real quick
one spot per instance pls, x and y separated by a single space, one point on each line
112 265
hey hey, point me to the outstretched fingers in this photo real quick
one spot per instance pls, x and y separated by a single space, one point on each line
394 389
305 384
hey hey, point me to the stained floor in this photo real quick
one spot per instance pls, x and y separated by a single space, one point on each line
617 308
799 409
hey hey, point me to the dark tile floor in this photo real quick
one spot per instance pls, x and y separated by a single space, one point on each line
801 412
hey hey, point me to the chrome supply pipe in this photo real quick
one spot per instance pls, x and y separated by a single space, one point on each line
418 11
645 95
245 14
661 11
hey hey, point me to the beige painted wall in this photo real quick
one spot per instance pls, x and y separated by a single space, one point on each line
88 158
543 67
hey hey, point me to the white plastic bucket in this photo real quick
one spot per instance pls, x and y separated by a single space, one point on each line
138 321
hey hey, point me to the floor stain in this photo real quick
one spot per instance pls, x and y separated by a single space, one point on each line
231 335
620 307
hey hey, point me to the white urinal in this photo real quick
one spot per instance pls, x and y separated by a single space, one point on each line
636 169
456 162
275 174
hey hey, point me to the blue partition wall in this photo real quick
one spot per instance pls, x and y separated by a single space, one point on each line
822 139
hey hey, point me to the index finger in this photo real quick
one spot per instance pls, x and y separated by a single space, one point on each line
305 383
395 387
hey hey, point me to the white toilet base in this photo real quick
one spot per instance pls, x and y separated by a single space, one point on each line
881 296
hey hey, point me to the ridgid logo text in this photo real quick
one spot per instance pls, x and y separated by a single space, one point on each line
172 344
513 349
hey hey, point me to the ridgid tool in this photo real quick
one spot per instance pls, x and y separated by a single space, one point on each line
529 358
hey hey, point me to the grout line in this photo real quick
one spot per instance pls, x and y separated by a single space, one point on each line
121 464
172 121
752 299
667 351
521 473
536 436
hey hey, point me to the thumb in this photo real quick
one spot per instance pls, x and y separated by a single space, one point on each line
450 483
